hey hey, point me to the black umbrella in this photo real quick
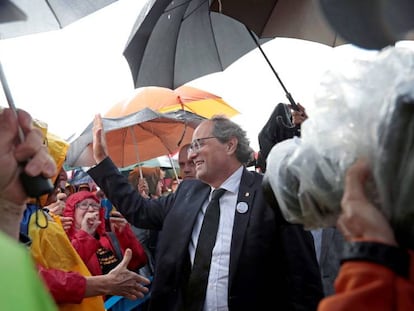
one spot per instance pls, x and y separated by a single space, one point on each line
181 40
19 17
301 19
371 24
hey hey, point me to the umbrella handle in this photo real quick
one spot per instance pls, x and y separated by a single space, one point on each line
34 186
175 171
136 150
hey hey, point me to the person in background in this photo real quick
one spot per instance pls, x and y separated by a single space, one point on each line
21 286
151 184
94 244
260 261
56 201
376 274
62 270
187 166
285 123
328 241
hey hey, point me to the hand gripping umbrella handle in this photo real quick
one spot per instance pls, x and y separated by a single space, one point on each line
34 186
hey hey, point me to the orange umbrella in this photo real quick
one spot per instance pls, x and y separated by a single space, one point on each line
165 100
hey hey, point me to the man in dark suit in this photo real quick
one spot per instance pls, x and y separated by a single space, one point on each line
259 261
330 251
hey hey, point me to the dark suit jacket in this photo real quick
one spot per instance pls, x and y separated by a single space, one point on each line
330 258
272 264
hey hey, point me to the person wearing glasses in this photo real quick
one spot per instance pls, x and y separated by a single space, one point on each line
90 239
258 260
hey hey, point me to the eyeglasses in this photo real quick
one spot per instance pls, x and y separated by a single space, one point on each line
197 144
85 205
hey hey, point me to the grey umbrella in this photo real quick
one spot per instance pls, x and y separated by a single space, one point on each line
136 137
22 17
181 40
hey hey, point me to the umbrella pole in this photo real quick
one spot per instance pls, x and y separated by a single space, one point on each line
35 186
288 95
136 150
173 167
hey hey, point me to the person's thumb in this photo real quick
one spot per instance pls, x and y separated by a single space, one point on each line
355 181
127 258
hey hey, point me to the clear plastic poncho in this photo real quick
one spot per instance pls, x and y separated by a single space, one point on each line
365 109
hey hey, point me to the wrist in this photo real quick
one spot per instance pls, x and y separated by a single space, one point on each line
97 285
11 216
392 257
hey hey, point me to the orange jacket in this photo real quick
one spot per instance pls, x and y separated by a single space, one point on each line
362 286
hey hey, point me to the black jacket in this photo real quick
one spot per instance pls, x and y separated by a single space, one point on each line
272 263
278 128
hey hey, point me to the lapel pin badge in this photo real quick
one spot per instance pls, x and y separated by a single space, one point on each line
242 207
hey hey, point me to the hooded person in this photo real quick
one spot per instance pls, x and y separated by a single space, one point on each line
66 276
97 247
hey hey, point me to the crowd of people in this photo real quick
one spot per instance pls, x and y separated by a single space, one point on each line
258 260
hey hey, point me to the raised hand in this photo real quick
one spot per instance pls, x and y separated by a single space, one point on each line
361 220
143 188
100 148
90 222
117 221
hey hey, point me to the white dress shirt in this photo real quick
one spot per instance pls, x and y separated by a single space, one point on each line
218 279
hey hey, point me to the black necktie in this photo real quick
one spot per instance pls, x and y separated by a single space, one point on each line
197 284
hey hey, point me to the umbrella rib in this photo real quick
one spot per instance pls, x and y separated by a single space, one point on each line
195 9
134 138
54 13
179 5
160 138
215 45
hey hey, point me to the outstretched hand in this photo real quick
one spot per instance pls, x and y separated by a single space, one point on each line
127 283
100 148
360 219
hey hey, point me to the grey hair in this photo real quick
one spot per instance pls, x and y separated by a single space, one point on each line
224 129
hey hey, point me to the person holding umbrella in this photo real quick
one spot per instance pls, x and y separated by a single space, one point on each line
19 278
257 262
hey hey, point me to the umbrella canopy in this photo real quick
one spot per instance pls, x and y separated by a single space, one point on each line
300 19
189 39
182 40
165 100
136 137
371 24
19 17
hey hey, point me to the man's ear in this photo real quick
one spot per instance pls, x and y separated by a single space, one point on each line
232 145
